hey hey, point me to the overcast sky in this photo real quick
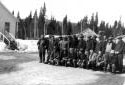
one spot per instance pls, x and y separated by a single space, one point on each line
108 10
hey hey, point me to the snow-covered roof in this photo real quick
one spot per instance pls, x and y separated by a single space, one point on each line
88 32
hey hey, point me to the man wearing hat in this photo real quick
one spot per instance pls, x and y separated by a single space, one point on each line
64 45
89 47
51 48
109 51
89 44
42 48
119 49
81 50
93 51
82 44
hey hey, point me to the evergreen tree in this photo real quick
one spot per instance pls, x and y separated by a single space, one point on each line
41 20
31 25
69 30
18 15
28 21
92 22
44 9
85 22
102 28
65 25
52 27
114 29
77 28
21 29
119 28
35 22
96 23
107 30
58 28
13 12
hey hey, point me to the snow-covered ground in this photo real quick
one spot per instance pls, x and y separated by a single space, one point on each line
2 46
27 45
34 73
23 45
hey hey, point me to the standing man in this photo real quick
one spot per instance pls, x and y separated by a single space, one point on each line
119 49
96 52
82 44
89 47
42 48
109 54
64 48
51 49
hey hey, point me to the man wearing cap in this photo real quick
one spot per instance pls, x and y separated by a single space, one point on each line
119 50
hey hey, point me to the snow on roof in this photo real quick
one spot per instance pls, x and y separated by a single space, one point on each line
88 32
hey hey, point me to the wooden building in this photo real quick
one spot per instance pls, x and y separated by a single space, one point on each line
8 22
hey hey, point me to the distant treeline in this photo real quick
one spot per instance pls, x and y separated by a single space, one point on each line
33 26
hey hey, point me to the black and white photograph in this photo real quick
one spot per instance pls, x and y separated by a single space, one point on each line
62 42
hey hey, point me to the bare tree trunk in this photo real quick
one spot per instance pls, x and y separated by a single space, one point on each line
35 28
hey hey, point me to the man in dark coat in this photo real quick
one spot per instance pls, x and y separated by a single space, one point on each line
119 49
75 42
96 53
94 45
82 44
94 42
42 47
82 59
89 46
56 53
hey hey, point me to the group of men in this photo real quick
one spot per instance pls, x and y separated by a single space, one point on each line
97 53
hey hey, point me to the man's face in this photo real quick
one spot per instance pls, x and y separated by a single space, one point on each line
110 40
80 52
52 38
119 39
104 37
41 36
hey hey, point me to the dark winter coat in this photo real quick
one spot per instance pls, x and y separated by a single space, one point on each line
41 44
94 42
120 46
89 45
82 44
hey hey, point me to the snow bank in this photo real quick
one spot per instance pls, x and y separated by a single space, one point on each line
27 45
23 45
2 46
